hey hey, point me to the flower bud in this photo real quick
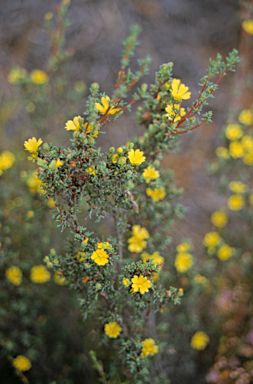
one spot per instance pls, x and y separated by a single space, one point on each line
122 161
112 150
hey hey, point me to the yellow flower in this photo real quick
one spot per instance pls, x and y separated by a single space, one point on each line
58 163
16 75
7 160
211 239
59 279
34 183
14 275
174 112
247 143
225 252
91 170
105 107
137 242
136 156
140 283
179 91
30 214
199 279
157 258
183 262
236 149
115 158
222 153
199 340
237 187
22 363
104 245
219 219
184 247
73 125
157 194
112 329
100 257
51 203
39 77
89 129
32 145
248 158
245 117
150 173
40 274
149 348
236 202
126 282
233 132
248 26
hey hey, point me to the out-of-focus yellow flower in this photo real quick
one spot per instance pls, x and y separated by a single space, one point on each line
233 132
183 262
104 107
34 183
236 150
225 252
222 153
174 112
247 25
237 187
51 203
7 159
247 143
40 274
73 125
200 279
16 75
184 247
156 258
211 239
156 194
179 91
236 202
39 77
219 219
14 275
49 15
79 86
136 156
126 282
199 341
32 145
149 348
112 329
100 257
59 278
248 158
138 240
22 363
140 283
150 173
245 117
30 214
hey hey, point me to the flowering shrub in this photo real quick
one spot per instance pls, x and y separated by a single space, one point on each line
118 286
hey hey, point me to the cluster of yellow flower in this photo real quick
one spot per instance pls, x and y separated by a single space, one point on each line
184 259
38 274
157 194
178 92
149 348
18 74
7 159
138 240
215 244
240 146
